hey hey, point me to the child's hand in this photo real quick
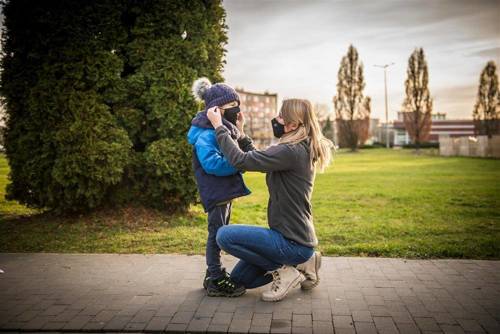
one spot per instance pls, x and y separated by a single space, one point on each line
214 117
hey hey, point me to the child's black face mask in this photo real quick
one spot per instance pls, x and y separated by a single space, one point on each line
231 114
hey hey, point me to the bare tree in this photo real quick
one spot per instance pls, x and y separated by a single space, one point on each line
417 106
351 107
322 111
486 112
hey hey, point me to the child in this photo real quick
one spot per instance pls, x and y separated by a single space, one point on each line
218 182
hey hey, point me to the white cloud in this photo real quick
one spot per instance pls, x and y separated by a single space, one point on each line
294 47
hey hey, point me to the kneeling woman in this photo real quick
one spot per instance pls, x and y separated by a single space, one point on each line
283 253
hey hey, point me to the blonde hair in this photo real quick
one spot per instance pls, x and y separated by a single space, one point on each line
300 111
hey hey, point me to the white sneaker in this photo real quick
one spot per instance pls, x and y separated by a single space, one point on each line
284 279
310 269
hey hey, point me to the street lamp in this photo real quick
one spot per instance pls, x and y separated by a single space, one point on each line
386 112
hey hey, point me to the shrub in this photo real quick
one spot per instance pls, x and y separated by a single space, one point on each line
423 145
97 99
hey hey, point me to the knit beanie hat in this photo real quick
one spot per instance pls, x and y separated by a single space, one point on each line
214 95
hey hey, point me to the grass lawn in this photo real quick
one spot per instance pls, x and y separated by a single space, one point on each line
376 202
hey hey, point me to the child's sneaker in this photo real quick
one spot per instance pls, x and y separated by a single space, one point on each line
207 277
224 287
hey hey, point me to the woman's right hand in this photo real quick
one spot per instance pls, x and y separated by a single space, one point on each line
214 116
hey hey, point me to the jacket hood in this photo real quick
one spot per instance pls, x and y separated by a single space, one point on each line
201 121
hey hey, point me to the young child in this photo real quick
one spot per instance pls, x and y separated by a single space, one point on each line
218 182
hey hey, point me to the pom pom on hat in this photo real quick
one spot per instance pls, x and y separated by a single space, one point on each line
200 87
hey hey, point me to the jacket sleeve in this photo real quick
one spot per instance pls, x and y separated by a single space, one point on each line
274 158
211 159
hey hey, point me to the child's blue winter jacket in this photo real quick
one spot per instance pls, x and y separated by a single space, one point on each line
217 180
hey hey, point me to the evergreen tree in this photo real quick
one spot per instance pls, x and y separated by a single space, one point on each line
97 98
417 106
62 142
169 45
351 106
327 129
486 112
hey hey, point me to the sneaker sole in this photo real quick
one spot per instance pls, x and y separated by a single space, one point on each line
317 266
296 282
222 294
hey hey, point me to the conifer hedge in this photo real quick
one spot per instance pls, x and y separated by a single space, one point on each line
97 99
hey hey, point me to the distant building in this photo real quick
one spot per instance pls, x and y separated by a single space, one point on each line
259 109
440 126
382 130
373 131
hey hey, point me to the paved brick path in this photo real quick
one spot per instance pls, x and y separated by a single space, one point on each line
141 293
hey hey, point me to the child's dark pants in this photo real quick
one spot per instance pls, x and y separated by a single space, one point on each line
217 217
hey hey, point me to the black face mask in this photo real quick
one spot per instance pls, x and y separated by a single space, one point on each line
278 128
231 114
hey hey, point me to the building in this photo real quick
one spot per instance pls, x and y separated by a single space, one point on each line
381 132
440 127
373 131
259 109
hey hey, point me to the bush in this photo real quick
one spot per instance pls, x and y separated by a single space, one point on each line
374 145
97 95
423 145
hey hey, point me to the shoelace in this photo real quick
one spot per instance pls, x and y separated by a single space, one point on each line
276 281
226 284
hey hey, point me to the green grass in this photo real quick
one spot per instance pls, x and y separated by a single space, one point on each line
376 202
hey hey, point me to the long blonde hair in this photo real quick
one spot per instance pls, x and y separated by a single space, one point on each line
300 111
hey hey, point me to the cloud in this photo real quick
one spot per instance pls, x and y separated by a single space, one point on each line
493 53
294 48
456 101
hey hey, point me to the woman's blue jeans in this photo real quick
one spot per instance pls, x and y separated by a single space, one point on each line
260 250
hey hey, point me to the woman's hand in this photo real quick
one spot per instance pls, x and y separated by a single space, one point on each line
240 124
214 117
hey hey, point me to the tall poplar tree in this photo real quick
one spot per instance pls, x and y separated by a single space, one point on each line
417 105
486 112
352 108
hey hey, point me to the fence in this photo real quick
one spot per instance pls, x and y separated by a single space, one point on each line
479 146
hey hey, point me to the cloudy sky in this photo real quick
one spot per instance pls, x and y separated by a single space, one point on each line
294 48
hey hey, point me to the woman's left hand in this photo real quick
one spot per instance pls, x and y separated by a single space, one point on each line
214 117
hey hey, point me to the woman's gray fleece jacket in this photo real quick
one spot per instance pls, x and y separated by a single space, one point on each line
289 179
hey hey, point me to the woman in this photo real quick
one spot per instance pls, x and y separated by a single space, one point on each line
290 171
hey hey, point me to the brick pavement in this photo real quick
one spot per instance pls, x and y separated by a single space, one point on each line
162 293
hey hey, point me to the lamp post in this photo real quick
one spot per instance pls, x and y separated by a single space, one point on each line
386 111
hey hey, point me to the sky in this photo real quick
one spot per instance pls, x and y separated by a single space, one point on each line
294 48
